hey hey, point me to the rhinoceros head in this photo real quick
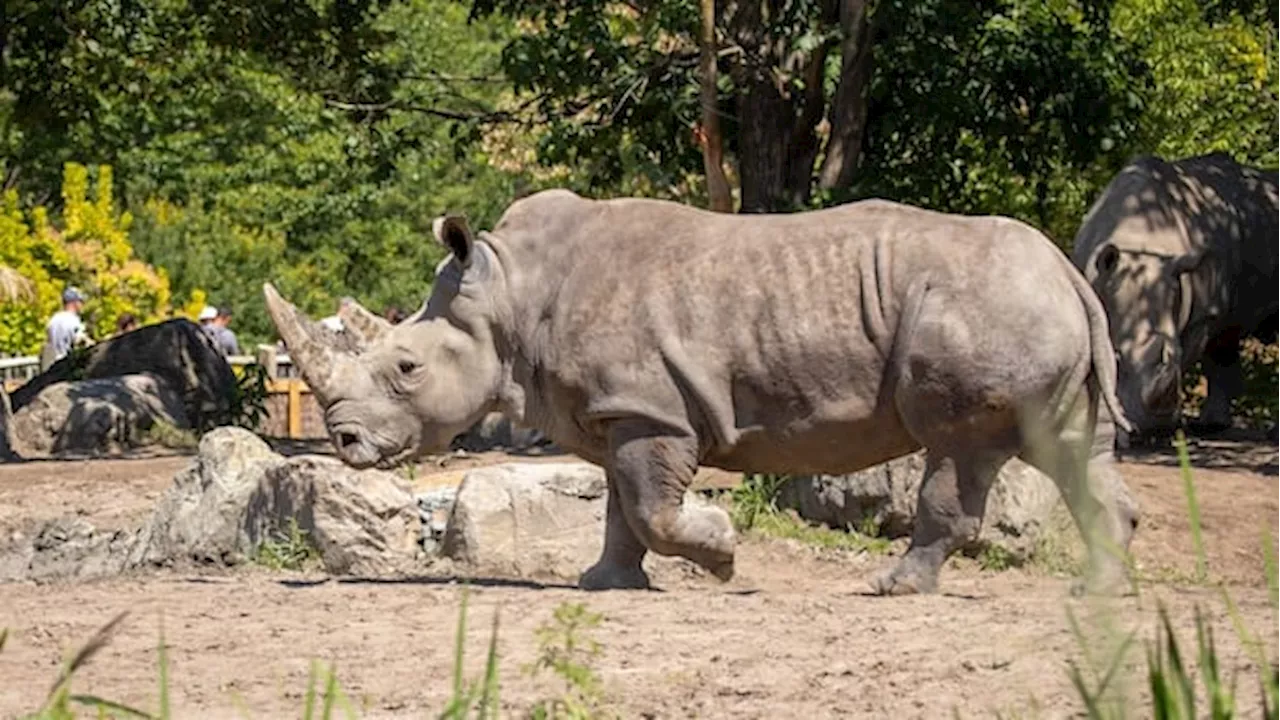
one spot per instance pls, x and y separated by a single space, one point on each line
1147 296
393 392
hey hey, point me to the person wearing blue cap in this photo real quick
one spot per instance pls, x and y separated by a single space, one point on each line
66 328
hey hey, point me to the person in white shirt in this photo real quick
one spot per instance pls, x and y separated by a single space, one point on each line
333 322
65 328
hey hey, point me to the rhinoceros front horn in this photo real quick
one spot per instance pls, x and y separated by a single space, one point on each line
309 352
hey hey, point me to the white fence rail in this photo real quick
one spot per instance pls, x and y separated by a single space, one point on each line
22 368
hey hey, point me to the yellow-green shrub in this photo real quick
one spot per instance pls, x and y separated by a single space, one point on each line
91 250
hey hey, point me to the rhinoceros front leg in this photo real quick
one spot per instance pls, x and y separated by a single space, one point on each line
953 498
619 567
1226 381
651 470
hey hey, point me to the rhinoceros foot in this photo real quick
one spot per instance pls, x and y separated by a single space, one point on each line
905 579
610 576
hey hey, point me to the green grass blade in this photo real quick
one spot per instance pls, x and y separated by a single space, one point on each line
1193 506
330 686
1269 562
309 700
58 693
459 644
102 705
489 698
4 637
164 674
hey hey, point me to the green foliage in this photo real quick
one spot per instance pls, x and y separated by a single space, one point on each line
754 508
1021 108
994 558
89 248
249 397
567 651
755 497
288 550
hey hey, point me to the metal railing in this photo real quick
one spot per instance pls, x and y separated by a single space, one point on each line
22 368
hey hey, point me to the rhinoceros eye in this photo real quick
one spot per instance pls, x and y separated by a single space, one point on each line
407 366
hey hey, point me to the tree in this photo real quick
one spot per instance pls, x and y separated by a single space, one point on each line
812 86
89 249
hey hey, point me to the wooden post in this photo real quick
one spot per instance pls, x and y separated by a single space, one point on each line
295 408
267 359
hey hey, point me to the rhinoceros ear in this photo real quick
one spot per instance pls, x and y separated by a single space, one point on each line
1106 259
453 233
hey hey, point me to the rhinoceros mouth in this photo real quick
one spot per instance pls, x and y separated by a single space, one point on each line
390 462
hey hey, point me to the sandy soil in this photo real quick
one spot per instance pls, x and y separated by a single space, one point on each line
794 635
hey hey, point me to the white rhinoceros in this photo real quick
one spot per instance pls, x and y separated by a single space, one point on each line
650 338
1183 257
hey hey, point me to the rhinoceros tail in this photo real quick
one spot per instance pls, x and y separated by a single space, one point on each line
1104 361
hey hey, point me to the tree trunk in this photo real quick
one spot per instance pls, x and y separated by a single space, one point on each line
780 103
721 199
848 114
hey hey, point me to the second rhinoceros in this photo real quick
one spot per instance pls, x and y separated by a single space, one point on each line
650 338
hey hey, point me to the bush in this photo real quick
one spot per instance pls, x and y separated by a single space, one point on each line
91 250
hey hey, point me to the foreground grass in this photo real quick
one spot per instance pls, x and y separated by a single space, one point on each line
1175 688
566 651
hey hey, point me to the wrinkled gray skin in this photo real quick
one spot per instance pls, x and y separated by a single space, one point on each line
651 338
1183 256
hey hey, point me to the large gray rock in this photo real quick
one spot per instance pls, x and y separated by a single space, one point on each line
177 351
201 517
528 519
239 493
883 498
533 520
92 417
359 521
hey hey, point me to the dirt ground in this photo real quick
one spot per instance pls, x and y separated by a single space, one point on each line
793 635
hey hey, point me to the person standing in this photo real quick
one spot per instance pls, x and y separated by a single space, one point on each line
223 337
127 322
65 328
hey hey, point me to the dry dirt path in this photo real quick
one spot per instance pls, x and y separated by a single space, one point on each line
793 635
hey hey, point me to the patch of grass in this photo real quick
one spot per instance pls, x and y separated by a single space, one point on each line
996 558
757 496
290 550
784 525
567 650
754 509
168 435
1059 549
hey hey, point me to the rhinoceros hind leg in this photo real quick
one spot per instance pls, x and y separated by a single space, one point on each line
619 567
1082 464
953 497
652 470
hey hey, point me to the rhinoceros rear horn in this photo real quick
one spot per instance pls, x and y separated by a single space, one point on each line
309 352
365 325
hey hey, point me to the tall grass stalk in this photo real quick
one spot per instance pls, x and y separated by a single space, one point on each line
1193 506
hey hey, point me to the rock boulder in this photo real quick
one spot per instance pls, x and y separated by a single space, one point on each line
883 498
528 519
92 417
239 493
